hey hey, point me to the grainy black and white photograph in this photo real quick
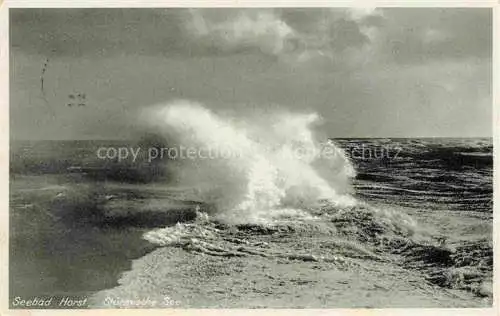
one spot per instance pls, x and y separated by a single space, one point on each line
314 157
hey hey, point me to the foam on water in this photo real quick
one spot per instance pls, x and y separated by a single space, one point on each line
275 181
249 167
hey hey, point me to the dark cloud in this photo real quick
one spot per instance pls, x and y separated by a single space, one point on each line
77 32
395 34
327 29
384 72
184 32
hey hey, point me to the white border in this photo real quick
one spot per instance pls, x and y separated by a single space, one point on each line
4 152
245 3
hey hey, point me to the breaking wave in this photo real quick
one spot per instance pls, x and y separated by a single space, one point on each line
274 163
268 193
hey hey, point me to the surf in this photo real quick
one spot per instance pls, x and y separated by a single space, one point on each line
272 163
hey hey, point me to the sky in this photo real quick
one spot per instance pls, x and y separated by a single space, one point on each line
368 72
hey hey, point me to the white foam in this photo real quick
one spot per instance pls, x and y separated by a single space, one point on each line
275 161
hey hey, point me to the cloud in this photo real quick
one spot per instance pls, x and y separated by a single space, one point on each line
101 31
419 34
342 36
329 32
376 72
287 33
239 30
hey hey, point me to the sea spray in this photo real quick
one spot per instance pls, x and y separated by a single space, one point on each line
274 162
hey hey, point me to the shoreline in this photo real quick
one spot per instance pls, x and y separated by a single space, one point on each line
274 282
264 283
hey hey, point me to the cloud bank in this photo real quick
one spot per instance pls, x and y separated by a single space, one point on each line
393 34
368 72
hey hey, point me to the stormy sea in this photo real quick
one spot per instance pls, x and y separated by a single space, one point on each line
275 215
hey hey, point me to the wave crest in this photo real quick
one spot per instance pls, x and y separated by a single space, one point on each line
275 160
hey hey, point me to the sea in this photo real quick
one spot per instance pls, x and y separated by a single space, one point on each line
77 220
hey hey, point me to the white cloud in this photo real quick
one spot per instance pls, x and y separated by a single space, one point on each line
259 29
294 35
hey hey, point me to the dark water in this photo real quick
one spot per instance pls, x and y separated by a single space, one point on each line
56 249
59 244
455 174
